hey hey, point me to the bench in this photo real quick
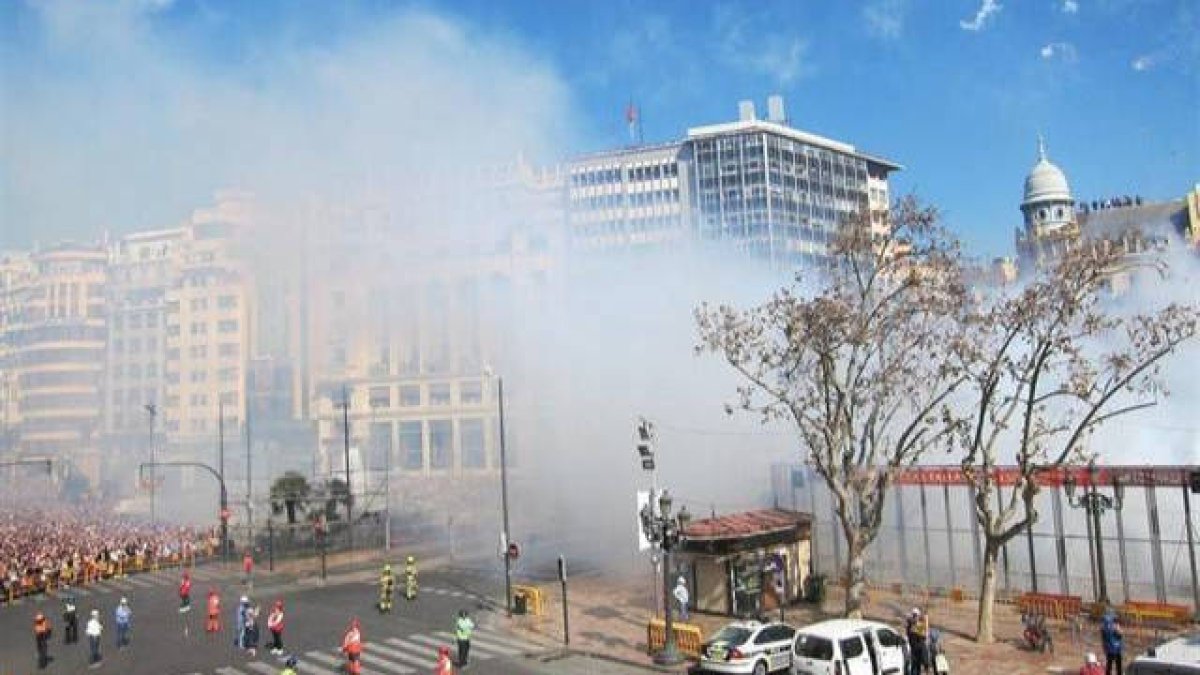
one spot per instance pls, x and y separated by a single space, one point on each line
1051 605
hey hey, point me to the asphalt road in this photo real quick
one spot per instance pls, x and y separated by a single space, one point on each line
404 641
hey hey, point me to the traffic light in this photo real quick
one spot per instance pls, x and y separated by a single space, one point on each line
645 440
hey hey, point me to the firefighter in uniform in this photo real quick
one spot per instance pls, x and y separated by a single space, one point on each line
41 635
352 648
387 585
185 593
445 665
410 578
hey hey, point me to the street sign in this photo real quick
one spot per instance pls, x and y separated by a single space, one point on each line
562 569
514 551
648 463
643 501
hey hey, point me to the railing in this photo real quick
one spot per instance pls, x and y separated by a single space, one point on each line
92 571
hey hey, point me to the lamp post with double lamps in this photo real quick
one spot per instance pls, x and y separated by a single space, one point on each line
1094 503
665 531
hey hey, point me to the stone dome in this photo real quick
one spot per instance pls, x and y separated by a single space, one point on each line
1046 182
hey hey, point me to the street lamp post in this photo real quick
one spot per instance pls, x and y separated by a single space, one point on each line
152 411
506 540
666 531
224 515
1095 504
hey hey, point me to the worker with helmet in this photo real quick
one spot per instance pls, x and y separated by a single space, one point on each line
445 665
352 648
289 666
410 578
387 585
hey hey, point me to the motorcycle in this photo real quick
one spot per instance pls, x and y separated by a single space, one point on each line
1037 634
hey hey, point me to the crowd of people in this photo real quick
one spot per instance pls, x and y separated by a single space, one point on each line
47 547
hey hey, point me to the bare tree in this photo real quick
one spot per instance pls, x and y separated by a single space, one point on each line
1047 365
861 365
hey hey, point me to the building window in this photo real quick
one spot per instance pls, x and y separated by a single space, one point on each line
410 395
474 455
381 446
439 393
198 376
227 374
470 393
199 328
411 442
227 302
229 398
227 326
381 397
441 444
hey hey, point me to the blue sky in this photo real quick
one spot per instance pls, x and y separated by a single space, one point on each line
127 114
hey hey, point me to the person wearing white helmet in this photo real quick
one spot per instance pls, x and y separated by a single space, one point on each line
93 631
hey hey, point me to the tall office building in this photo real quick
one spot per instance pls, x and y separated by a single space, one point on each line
759 185
55 331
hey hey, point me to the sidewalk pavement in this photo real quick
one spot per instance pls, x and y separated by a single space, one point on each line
608 618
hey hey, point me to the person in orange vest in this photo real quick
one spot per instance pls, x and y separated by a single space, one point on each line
213 625
247 566
41 634
275 625
185 593
445 665
352 648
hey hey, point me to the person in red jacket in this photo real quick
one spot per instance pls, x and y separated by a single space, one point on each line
275 625
352 648
445 665
247 566
185 593
1091 666
213 625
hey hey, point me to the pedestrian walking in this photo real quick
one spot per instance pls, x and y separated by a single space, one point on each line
1114 644
916 629
124 621
251 638
93 629
239 621
41 637
247 568
1091 665
185 593
463 627
682 597
352 647
444 665
213 625
275 625
70 621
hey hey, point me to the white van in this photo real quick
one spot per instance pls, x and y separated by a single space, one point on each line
849 647
1180 656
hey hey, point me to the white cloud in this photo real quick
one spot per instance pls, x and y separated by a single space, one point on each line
885 18
1062 51
1143 62
1070 7
748 42
988 9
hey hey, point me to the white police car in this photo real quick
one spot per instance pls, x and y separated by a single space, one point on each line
748 647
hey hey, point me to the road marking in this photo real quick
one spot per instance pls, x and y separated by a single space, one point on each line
144 583
484 645
500 638
229 671
402 656
370 659
263 668
117 583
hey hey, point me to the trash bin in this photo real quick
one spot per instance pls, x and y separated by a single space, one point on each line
814 588
520 603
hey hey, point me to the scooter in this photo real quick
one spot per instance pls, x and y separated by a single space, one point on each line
1037 634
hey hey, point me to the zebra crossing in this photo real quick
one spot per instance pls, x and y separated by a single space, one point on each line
416 653
158 579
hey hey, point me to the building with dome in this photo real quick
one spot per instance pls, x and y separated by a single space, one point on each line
1054 221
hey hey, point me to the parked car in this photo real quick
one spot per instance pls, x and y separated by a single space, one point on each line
748 647
848 647
1180 656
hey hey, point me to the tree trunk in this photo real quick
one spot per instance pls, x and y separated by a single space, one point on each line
856 579
987 593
